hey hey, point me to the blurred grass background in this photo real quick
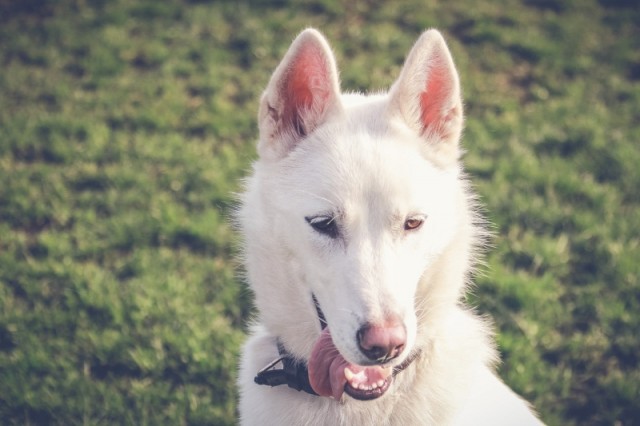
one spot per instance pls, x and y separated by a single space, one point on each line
125 127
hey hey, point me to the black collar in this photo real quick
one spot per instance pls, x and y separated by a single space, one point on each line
294 372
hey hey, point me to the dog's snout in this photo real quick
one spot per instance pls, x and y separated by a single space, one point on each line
382 343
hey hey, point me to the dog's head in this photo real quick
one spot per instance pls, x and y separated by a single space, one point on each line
354 201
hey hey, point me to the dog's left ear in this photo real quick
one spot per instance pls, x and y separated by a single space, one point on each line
302 93
427 97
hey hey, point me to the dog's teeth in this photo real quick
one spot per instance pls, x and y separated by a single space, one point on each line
380 383
348 374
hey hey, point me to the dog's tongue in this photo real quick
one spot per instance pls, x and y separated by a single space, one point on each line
328 370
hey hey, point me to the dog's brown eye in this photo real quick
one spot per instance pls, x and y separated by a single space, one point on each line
413 223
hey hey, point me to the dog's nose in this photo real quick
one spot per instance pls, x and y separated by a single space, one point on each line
382 343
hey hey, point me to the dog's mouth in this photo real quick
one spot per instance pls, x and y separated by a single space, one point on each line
332 375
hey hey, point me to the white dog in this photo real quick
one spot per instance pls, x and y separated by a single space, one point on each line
359 237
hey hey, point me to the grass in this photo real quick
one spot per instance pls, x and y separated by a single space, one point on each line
126 126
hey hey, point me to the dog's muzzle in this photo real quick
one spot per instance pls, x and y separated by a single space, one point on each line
295 373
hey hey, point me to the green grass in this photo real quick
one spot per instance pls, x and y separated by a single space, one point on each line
126 126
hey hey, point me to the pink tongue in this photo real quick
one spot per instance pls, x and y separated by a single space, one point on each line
326 369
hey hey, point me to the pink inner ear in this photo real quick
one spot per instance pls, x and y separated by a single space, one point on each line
307 89
433 100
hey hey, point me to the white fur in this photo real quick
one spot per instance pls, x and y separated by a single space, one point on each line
371 162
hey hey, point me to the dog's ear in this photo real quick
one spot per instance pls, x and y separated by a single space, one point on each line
427 97
302 93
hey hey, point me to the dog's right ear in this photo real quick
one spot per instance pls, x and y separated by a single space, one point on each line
302 93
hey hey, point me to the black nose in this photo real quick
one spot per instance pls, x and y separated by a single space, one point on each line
382 343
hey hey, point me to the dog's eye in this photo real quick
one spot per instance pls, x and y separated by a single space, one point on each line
413 223
325 225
